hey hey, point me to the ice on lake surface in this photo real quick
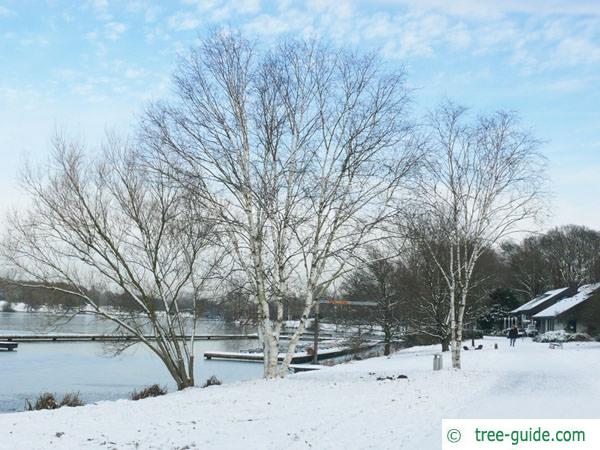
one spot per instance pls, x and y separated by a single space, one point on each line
90 368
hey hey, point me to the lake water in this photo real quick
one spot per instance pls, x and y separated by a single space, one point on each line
90 368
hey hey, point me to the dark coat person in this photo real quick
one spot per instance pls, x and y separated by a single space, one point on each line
513 334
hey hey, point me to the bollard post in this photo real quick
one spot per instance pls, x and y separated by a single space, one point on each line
437 362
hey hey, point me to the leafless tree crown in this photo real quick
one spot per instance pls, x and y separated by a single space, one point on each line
107 222
298 151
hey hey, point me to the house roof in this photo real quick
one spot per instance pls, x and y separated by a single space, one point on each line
539 300
584 293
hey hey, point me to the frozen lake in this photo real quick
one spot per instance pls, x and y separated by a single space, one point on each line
90 367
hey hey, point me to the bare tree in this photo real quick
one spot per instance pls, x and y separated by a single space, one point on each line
530 274
483 182
564 256
376 282
107 222
424 294
572 253
298 151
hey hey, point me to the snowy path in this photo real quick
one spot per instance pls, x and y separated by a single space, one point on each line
543 383
529 381
344 407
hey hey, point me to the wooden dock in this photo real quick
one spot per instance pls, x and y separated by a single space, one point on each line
298 358
113 337
8 346
127 337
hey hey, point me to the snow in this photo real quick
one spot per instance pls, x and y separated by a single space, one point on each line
563 305
339 407
538 300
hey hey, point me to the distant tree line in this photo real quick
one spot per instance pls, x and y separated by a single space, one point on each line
408 289
411 295
234 305
564 256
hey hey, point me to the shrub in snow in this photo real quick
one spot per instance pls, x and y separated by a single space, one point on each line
149 391
562 336
44 401
49 401
212 381
71 400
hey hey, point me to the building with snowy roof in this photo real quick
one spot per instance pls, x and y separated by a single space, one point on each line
576 313
523 315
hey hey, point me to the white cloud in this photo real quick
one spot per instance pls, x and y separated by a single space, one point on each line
494 9
458 36
34 41
225 10
524 33
157 33
133 73
25 97
100 4
148 9
247 6
100 8
67 17
151 14
211 11
576 50
91 36
114 30
568 85
267 24
183 21
5 12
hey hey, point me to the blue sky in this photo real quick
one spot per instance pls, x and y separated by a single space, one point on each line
85 66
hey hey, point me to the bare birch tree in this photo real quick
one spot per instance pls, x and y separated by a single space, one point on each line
109 222
298 151
483 182
425 292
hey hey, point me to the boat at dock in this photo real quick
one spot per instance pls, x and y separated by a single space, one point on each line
8 346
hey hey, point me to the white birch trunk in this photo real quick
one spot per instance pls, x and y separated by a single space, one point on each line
291 349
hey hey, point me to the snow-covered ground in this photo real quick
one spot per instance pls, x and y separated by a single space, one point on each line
343 407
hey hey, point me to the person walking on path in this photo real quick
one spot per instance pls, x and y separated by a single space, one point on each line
513 334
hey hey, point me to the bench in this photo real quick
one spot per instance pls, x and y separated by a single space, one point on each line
554 345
